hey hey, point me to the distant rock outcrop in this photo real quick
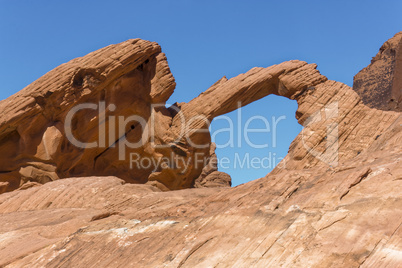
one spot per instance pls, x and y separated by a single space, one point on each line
335 200
380 84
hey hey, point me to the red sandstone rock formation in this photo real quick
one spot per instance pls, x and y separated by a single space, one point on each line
336 203
37 127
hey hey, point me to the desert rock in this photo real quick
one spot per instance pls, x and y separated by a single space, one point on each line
335 200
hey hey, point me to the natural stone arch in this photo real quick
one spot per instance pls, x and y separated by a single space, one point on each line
224 96
330 111
246 155
135 75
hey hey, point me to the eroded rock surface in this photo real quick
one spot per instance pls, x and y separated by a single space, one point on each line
334 202
35 123
319 217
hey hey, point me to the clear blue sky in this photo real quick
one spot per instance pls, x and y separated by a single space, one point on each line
203 40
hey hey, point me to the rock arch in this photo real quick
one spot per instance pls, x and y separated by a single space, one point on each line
134 75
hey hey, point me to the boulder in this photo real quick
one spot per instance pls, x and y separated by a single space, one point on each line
214 179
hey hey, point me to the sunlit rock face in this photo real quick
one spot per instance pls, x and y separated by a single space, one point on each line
65 124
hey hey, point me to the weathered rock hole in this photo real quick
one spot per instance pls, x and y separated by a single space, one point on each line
78 80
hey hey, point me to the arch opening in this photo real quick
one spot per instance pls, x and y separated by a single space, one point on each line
252 140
